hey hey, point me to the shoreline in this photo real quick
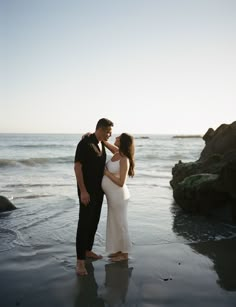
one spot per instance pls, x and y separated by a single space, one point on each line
171 274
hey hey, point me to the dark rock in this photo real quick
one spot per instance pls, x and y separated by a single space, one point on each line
212 165
228 176
210 182
220 141
208 135
199 193
5 204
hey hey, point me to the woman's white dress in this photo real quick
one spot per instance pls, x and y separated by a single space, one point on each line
117 235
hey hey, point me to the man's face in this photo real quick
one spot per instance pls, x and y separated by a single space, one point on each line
106 133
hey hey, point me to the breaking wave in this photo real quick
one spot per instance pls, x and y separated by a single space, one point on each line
35 161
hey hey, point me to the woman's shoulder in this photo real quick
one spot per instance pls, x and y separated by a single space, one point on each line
124 159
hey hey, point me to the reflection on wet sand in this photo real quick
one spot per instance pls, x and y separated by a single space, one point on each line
87 290
204 234
223 255
112 293
116 283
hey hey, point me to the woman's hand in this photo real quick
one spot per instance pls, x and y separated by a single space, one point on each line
106 172
86 135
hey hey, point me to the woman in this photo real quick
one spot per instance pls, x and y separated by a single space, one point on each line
118 168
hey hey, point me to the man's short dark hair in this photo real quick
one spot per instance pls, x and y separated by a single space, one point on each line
104 123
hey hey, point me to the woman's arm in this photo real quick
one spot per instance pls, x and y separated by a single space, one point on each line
111 147
124 167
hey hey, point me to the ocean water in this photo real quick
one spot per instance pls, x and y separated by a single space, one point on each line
37 175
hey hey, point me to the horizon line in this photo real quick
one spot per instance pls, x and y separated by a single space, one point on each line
134 133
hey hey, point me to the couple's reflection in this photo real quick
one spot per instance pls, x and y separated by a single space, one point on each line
111 293
87 295
116 283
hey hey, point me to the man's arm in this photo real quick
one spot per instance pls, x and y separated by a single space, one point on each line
84 195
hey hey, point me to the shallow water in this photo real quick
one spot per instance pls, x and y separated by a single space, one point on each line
36 174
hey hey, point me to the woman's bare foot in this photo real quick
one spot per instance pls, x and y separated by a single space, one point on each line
80 268
120 257
91 254
114 254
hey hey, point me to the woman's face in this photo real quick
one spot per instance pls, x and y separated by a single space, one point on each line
117 141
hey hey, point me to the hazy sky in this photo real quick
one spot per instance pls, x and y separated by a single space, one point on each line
151 66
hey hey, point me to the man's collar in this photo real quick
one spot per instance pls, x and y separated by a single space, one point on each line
94 138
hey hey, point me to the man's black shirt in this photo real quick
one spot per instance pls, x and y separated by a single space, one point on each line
93 162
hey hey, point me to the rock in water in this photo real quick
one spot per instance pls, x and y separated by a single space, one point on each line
220 141
210 182
5 204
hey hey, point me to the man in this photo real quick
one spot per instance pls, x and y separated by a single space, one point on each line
90 159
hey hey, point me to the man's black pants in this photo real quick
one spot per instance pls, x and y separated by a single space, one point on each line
89 217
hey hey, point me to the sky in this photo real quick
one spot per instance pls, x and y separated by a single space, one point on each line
150 66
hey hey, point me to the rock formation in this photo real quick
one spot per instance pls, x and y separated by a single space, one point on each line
210 182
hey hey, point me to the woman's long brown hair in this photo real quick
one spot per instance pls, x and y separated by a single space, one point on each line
127 149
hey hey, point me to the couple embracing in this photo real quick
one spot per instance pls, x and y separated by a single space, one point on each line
94 178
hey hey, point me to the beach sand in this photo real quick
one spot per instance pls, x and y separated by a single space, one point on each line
173 274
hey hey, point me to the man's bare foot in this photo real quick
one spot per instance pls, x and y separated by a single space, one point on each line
80 268
114 254
91 254
120 257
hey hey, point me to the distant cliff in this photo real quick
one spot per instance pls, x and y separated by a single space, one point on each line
187 136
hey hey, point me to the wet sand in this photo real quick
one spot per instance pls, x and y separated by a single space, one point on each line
174 274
